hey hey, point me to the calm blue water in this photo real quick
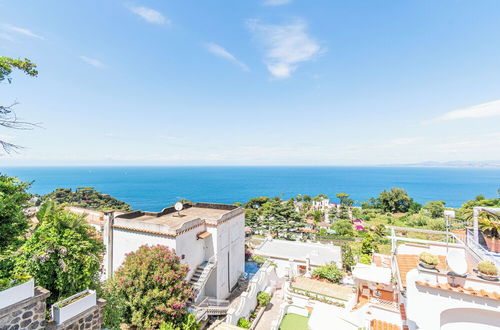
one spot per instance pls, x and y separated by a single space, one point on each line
251 267
152 188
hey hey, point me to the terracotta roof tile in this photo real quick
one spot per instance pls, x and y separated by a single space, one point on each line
407 262
469 291
380 325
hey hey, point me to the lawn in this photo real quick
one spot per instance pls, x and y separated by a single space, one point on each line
294 322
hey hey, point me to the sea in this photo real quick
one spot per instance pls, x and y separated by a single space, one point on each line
153 188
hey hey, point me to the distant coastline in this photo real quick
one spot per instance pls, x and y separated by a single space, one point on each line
451 164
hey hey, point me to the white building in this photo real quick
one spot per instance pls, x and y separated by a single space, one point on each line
294 258
209 238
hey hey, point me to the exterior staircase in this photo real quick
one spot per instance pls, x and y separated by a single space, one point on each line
201 276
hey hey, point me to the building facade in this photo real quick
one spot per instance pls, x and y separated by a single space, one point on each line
209 238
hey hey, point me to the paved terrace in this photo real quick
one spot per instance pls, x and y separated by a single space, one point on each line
169 221
319 254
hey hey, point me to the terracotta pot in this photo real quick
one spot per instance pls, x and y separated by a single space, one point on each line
428 266
488 277
492 243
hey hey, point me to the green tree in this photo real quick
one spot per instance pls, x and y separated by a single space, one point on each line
280 217
8 118
329 272
64 254
13 221
343 228
306 198
86 197
317 215
251 218
189 323
342 197
435 208
394 200
150 287
256 202
347 257
368 245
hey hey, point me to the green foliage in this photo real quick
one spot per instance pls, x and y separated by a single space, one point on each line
244 323
488 268
87 198
279 217
343 228
64 254
13 222
417 220
7 64
251 217
258 259
263 298
317 215
428 258
368 245
394 200
437 224
151 286
435 208
329 272
14 280
365 259
189 323
256 202
347 257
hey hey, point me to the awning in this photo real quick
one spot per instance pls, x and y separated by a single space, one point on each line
204 234
372 273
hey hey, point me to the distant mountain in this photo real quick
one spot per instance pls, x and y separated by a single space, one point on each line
457 163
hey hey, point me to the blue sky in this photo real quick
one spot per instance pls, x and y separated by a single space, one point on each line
254 82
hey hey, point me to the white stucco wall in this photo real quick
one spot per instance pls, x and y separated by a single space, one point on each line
431 308
230 247
126 241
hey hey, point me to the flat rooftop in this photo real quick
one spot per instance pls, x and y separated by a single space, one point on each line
172 220
319 254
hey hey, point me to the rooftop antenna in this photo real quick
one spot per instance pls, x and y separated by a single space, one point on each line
178 207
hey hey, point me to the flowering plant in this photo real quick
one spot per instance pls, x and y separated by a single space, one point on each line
151 284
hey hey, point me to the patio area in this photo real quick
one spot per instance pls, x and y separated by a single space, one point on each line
341 292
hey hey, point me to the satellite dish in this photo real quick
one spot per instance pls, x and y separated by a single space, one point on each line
178 206
456 262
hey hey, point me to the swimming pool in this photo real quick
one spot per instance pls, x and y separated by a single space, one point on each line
251 267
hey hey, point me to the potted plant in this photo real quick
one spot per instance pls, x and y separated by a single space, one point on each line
16 289
67 308
487 270
428 260
490 228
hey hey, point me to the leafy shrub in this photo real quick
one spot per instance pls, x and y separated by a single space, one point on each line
244 323
263 298
151 285
258 259
487 267
437 224
329 272
343 228
189 323
365 259
429 259
64 254
417 220
368 245
8 282
347 257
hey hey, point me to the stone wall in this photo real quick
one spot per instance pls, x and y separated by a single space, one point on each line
89 319
26 314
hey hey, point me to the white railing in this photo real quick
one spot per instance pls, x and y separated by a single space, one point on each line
248 299
480 251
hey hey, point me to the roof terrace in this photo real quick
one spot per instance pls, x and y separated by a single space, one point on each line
171 222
